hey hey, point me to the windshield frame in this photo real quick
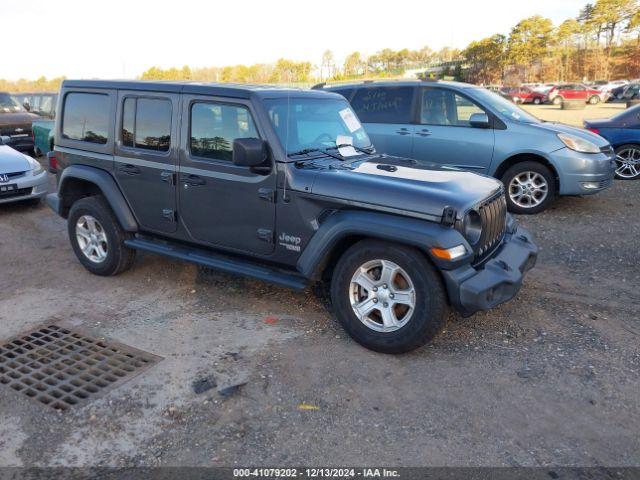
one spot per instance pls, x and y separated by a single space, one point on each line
492 101
321 150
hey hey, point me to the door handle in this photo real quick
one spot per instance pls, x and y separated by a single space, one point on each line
167 177
424 132
193 180
129 169
403 131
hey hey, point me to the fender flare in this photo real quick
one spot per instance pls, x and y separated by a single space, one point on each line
107 185
403 230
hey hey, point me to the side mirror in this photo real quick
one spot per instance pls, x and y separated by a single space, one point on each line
479 120
26 106
249 152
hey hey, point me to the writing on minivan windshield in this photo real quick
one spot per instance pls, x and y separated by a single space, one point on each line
304 124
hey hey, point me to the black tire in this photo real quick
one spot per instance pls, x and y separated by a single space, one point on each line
521 168
537 101
594 100
557 100
119 258
620 150
430 311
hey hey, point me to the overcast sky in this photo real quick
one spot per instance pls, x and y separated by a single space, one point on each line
122 38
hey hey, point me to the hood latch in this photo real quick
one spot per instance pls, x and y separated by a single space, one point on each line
448 216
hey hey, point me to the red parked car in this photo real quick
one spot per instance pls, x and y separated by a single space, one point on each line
574 91
526 95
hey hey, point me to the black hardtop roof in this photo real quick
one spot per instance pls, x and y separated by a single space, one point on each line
234 90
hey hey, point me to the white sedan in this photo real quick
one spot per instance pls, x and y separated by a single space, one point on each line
21 177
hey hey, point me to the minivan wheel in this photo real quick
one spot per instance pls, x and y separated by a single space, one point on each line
388 297
530 187
97 238
594 100
628 162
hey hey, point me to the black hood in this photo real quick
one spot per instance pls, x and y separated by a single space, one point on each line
407 185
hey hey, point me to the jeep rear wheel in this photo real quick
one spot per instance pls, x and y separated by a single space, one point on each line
97 238
389 298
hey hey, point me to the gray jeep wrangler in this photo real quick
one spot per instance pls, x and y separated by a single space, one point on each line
282 185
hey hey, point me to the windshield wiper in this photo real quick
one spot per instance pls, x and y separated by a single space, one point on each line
307 151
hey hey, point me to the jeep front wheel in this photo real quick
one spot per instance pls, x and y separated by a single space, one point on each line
97 238
389 298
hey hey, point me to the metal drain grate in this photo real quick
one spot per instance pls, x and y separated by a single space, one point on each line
62 368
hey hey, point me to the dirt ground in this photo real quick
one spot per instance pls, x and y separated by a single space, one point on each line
550 378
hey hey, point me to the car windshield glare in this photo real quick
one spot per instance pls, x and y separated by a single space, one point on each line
8 104
504 107
315 124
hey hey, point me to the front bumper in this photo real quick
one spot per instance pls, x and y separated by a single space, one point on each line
498 280
583 173
28 187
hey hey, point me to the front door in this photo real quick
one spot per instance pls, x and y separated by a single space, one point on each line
146 154
444 135
222 204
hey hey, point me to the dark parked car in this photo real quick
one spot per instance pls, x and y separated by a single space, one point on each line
282 185
623 132
42 104
15 124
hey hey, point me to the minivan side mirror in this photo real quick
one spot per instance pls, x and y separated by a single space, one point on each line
479 120
250 152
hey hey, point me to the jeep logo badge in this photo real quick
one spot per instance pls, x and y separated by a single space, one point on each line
4 178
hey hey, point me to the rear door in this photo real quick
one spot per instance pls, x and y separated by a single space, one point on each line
146 155
222 204
386 113
445 136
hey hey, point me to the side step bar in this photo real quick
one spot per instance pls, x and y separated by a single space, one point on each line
220 262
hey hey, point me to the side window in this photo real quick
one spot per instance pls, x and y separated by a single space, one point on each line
446 108
464 109
384 104
86 117
146 123
215 126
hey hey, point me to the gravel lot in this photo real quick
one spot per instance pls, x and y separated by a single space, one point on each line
550 378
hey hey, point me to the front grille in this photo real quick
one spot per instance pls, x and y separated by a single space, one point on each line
21 192
15 174
10 130
493 213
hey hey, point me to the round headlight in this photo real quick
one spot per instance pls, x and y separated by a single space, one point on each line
472 227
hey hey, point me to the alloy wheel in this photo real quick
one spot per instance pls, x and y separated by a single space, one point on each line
382 295
628 162
92 238
528 189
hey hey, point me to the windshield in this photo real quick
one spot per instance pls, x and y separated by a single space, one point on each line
307 124
503 106
8 104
